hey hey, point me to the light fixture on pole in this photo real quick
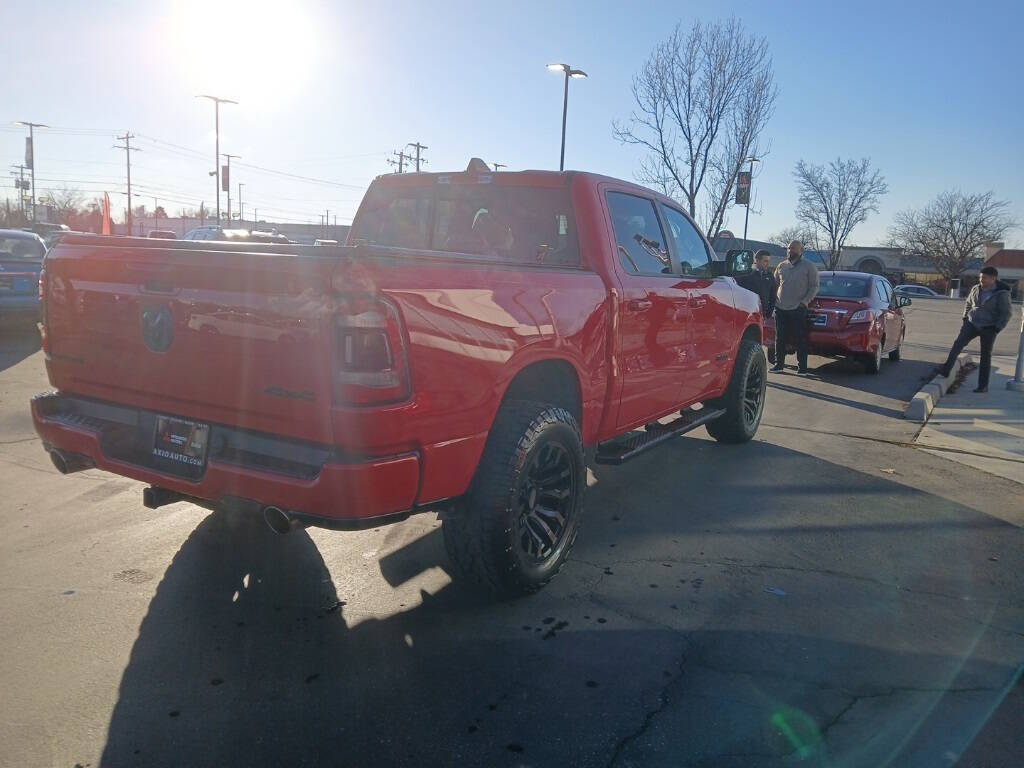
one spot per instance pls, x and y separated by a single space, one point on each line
569 72
217 101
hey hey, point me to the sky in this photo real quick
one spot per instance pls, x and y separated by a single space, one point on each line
929 91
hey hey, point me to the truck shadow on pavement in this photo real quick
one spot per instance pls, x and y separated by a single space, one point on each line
18 340
248 656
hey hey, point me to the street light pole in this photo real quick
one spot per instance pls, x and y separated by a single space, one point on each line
241 217
750 189
32 167
217 101
569 72
227 184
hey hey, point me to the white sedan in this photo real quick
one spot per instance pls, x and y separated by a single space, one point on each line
918 291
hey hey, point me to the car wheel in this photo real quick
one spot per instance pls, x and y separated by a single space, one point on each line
894 356
514 529
873 362
743 401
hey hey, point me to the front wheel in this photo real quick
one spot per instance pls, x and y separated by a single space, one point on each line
514 530
894 356
743 401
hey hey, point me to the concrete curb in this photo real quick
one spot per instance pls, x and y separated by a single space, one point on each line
921 404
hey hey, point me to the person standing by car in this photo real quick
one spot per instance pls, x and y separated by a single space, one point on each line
986 313
761 281
797 279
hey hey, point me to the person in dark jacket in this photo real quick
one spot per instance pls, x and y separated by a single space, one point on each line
986 313
761 281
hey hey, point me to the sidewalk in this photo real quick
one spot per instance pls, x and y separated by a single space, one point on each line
984 431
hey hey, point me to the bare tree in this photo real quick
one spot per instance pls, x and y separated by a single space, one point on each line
703 99
66 202
952 229
805 234
836 198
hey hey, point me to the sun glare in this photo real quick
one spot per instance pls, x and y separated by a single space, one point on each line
253 50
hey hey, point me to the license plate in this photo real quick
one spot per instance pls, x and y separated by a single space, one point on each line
180 440
818 321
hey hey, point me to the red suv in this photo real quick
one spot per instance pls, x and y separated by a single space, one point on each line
855 314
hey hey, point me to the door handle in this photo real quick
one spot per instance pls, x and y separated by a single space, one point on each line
640 305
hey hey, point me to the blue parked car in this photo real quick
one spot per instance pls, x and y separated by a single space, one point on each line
21 259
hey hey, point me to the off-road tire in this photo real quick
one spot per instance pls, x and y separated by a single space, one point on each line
485 534
740 421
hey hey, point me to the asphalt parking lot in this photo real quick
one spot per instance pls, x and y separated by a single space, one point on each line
826 595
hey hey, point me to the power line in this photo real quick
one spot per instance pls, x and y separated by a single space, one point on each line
127 147
400 162
418 147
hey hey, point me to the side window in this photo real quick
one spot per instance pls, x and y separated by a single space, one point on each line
888 291
880 292
638 236
693 255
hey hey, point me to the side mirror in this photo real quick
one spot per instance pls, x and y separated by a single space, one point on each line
739 262
903 301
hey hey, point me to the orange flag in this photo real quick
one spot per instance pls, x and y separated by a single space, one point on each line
106 214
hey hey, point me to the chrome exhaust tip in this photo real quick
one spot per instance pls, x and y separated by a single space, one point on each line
66 463
278 520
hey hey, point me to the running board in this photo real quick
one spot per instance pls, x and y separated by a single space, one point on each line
621 449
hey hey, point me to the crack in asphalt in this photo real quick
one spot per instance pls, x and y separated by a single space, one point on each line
897 443
663 698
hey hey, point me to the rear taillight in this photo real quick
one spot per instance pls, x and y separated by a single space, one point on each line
370 363
860 316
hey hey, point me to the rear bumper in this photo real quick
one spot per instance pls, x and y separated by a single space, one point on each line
854 341
313 482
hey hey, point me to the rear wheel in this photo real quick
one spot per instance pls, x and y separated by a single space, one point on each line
894 356
514 530
743 401
873 362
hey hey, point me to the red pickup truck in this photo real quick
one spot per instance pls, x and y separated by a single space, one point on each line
475 335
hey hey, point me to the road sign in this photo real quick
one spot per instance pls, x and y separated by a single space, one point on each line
225 183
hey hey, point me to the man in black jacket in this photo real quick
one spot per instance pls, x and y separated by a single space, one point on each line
986 313
761 281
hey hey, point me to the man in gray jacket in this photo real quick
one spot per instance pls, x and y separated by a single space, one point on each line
798 285
986 313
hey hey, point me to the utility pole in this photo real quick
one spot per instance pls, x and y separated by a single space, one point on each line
241 210
217 101
30 158
750 190
127 147
418 147
499 166
400 162
227 181
156 214
21 189
327 224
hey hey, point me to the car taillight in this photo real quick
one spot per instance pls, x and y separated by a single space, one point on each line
370 365
860 316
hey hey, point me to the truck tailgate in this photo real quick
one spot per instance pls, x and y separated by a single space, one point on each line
230 336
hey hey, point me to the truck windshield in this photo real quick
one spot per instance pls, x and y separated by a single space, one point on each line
531 225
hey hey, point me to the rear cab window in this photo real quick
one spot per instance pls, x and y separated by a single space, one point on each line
21 248
507 223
